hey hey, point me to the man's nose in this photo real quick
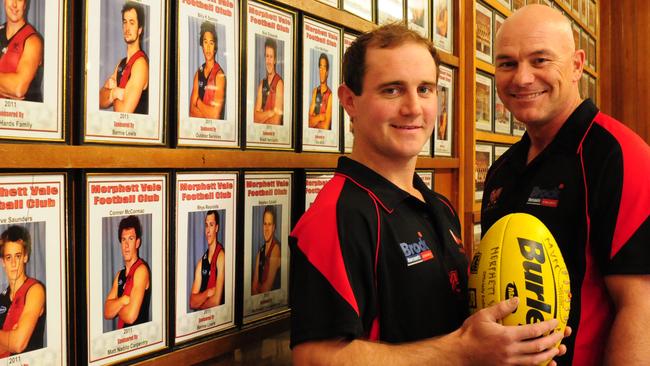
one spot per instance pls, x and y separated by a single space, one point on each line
411 103
524 74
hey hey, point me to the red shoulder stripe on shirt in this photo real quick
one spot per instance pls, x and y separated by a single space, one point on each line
635 197
327 259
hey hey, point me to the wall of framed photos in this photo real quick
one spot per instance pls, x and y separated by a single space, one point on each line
81 148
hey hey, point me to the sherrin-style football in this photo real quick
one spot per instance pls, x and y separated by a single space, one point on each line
518 256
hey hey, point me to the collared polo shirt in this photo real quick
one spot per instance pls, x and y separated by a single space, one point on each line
591 187
368 260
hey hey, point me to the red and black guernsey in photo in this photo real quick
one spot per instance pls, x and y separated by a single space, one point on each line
368 260
591 187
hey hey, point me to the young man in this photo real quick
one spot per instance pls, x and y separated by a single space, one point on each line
21 58
583 174
22 304
130 295
269 103
207 289
320 108
209 87
127 89
378 274
266 271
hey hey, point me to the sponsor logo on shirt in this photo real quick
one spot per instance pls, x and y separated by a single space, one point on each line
3 309
545 197
454 281
417 252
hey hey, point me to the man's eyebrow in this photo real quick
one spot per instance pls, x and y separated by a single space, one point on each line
541 52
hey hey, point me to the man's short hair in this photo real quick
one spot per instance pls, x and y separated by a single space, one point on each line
206 27
387 36
139 11
271 210
16 234
215 213
323 56
130 222
272 44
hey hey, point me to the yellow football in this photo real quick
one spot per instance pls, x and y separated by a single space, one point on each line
518 256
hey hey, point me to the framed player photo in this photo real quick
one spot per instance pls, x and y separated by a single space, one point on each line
126 241
33 298
321 75
32 98
591 89
518 127
208 74
591 52
575 7
584 85
125 72
483 33
206 231
502 116
592 10
516 4
444 130
417 15
484 88
499 150
584 12
348 135
364 9
443 29
427 177
267 217
584 42
477 238
270 76
506 3
314 182
482 162
390 11
498 22
334 3
576 34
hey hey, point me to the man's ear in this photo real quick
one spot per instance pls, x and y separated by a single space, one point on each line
347 98
578 64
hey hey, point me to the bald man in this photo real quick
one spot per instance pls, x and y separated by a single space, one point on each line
586 176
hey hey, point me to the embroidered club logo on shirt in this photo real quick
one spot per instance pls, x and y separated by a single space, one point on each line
545 197
417 252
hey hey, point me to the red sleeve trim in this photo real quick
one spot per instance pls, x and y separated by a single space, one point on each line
635 197
322 247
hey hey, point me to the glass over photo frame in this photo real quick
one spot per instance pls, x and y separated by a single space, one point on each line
270 76
208 74
267 218
206 236
322 45
32 103
33 216
125 75
126 217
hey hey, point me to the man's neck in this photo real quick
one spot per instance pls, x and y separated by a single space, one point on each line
132 48
323 87
397 171
16 285
13 27
270 75
129 264
211 248
542 135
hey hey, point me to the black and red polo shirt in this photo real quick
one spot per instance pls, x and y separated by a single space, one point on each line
591 187
368 260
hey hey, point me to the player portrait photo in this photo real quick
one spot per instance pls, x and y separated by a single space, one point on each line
23 286
207 74
266 249
321 57
206 259
31 69
266 261
205 253
124 73
270 76
126 273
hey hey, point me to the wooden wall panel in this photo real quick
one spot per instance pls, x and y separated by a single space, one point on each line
624 69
